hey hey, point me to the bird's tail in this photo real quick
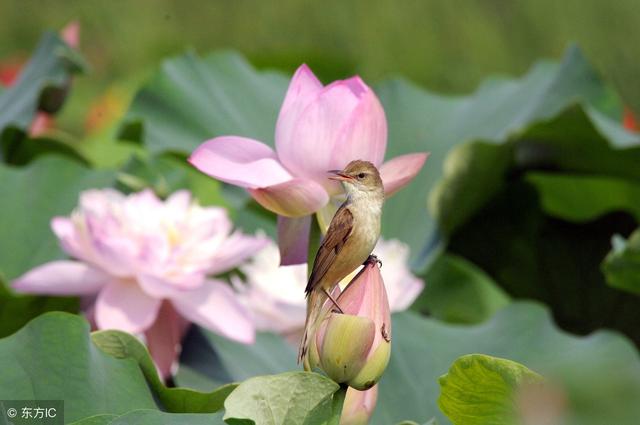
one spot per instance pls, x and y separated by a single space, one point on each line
315 304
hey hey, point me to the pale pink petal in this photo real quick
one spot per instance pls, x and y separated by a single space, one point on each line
215 306
162 287
71 34
61 278
401 297
358 406
70 242
80 241
240 161
100 201
268 313
302 90
164 338
364 135
366 296
399 171
234 250
124 306
295 198
116 251
293 239
316 131
145 200
179 201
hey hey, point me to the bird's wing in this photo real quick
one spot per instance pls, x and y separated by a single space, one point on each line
337 235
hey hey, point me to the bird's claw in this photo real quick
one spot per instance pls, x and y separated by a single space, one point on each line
373 259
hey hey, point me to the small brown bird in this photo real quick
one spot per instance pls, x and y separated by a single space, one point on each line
352 235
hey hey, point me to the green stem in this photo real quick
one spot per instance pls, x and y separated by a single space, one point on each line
336 405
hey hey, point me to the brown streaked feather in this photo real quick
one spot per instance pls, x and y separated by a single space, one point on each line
339 231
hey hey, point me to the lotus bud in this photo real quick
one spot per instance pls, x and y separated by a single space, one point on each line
358 406
354 348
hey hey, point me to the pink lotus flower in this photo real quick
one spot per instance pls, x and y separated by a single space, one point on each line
275 295
319 128
354 348
145 264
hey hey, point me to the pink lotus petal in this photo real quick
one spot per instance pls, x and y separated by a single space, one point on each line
359 406
114 252
71 34
295 198
316 132
401 299
72 243
302 90
84 246
164 338
123 305
268 314
364 135
215 306
293 239
158 287
366 296
179 201
61 278
234 250
240 161
399 171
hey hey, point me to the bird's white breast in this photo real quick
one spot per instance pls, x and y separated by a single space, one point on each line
367 210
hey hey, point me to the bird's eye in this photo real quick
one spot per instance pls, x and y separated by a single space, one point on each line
361 175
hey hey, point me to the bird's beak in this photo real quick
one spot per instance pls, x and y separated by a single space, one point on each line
339 175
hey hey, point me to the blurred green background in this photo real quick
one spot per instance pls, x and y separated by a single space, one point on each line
447 46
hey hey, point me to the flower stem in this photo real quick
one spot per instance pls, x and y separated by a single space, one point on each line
336 405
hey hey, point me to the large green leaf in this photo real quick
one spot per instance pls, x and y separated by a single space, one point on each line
602 369
480 390
16 148
41 84
209 360
433 421
536 213
419 120
600 373
53 358
303 398
458 291
622 265
192 99
166 174
31 197
153 417
475 172
102 419
583 198
17 310
124 346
